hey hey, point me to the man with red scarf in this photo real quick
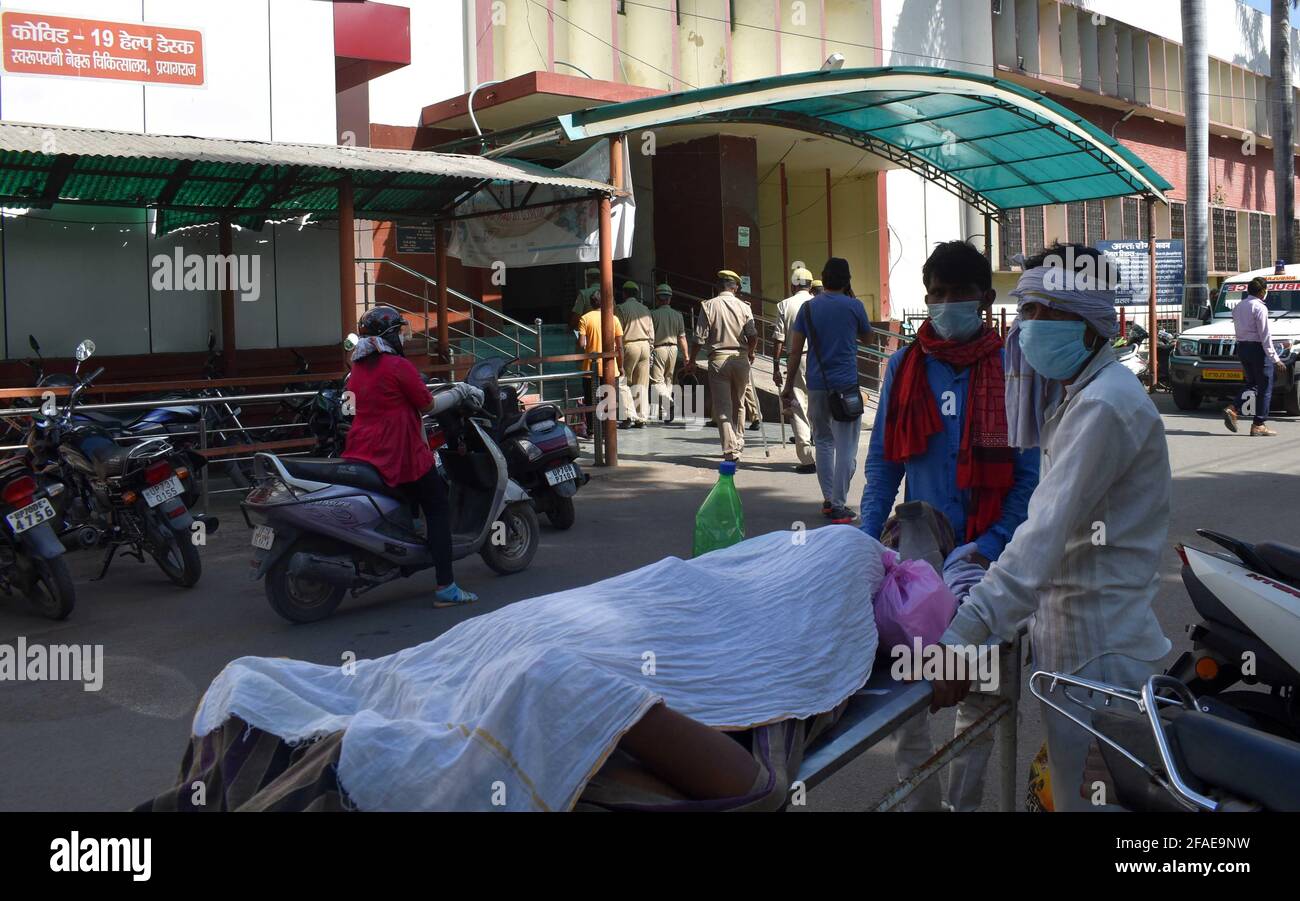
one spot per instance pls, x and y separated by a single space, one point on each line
942 423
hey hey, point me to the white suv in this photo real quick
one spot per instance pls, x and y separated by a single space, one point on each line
1204 362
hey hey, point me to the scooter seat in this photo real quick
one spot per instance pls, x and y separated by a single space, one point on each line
335 471
1284 558
1245 762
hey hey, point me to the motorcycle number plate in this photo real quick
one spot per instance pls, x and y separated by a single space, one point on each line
560 474
1222 375
263 537
31 516
163 491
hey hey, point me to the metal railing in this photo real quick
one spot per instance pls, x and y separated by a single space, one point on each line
481 326
205 432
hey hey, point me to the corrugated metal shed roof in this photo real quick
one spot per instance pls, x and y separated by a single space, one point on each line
194 180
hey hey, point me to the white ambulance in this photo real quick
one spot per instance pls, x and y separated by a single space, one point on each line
1203 364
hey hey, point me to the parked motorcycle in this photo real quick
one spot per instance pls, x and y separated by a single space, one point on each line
135 497
178 422
1129 352
325 527
1249 634
31 555
1162 748
541 450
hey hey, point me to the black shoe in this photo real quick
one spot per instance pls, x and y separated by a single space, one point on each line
792 441
806 468
625 424
640 424
842 516
754 426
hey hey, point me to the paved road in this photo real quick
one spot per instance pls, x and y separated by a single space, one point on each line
62 748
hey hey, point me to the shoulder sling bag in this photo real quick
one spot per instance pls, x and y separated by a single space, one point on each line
845 403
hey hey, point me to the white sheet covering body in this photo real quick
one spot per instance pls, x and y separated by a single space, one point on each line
525 703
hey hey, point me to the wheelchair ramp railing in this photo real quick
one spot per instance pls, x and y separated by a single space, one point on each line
473 327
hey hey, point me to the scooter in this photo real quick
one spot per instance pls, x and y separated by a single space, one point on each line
31 555
1161 748
541 450
325 527
1249 603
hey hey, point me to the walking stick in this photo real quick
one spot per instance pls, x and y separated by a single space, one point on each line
761 430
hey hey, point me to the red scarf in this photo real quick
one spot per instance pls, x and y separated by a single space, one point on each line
984 461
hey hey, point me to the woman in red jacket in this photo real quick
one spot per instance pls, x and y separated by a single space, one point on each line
387 433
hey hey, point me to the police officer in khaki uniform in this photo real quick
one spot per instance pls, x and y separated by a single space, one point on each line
670 337
786 311
725 325
638 341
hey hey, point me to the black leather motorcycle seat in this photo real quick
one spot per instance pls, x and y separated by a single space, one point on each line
111 420
1245 762
109 456
1282 557
353 473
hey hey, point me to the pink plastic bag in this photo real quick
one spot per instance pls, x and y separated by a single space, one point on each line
912 601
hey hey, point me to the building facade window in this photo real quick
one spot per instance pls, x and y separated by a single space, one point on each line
1261 239
1223 226
1135 220
1010 242
1178 221
1034 229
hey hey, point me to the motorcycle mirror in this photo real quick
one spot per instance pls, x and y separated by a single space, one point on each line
85 350
34 344
351 341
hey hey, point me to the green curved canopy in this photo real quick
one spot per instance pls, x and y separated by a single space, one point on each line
994 143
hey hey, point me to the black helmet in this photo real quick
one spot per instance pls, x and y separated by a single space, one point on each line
383 322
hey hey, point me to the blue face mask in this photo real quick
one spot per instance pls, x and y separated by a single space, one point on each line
1054 347
956 321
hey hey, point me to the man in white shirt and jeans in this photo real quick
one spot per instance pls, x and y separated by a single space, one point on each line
1258 359
1084 565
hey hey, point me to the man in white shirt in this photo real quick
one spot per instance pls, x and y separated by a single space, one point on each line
1258 358
1085 563
786 311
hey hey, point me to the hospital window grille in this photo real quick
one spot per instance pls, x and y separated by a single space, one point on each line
1096 218
1178 220
1295 241
1261 239
1034 240
1076 223
1223 223
1135 222
1009 238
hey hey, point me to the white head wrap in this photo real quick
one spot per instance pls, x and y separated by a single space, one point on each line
1061 288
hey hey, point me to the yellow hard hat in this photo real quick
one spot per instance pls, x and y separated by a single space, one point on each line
817 283
728 274
800 276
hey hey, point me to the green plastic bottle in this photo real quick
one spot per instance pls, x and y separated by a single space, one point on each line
720 521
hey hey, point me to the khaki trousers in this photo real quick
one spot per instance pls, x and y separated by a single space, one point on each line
728 381
663 366
799 424
636 371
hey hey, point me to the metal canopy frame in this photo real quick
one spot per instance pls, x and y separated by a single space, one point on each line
769 101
